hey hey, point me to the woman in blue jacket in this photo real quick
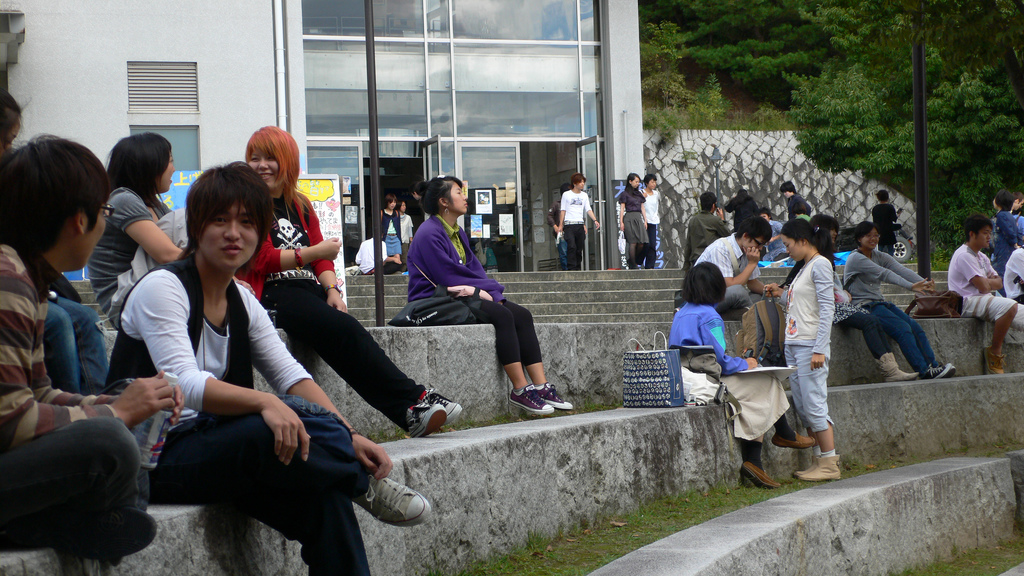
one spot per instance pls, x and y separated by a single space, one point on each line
440 256
761 397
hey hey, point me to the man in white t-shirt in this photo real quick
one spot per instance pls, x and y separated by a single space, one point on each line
1015 276
652 198
971 275
364 258
575 206
737 256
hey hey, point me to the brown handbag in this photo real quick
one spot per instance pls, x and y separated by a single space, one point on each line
946 304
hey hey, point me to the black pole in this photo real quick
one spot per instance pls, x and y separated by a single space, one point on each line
924 260
374 180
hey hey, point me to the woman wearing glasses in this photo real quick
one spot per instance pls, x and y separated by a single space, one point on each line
140 169
866 269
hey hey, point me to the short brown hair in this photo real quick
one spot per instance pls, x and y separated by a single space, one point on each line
220 188
577 178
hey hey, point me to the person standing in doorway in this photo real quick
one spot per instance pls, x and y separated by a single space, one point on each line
652 199
554 220
884 216
576 204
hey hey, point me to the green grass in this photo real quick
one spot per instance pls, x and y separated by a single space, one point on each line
981 562
583 549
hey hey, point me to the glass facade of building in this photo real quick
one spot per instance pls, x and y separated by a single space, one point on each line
452 74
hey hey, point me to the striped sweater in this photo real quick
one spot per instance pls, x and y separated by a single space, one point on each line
29 407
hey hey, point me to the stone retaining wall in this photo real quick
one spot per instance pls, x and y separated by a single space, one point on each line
759 162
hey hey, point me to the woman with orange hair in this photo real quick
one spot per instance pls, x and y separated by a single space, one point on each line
293 274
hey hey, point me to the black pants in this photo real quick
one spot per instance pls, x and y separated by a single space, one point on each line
342 342
575 236
514 335
650 256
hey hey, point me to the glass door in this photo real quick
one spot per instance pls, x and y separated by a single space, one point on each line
345 160
588 155
494 222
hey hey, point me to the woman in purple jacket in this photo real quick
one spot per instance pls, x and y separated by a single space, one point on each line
440 256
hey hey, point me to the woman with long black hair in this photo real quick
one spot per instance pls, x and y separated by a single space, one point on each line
140 169
633 220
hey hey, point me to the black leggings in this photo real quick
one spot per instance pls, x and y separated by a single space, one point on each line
342 342
514 335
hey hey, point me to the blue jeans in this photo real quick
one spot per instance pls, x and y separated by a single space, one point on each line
871 328
231 459
563 254
809 387
907 333
75 354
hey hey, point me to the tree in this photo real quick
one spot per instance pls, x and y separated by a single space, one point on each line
756 43
858 115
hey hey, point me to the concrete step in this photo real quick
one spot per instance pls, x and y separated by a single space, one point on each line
938 508
530 299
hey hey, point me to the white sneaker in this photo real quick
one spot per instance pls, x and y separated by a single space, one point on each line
395 504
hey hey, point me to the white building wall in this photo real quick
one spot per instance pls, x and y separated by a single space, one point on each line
72 77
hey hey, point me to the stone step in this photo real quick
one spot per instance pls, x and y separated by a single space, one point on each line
582 288
938 508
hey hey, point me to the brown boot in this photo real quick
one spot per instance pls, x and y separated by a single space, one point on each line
827 469
757 476
891 370
800 443
994 362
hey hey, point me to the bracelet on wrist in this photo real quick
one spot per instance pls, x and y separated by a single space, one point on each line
335 286
353 432
298 258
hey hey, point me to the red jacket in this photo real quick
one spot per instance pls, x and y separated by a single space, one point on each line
268 259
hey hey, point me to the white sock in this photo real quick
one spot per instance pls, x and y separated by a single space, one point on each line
520 391
828 454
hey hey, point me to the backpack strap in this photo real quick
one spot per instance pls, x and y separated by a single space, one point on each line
735 262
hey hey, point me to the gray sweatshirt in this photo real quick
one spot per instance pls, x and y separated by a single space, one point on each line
863 277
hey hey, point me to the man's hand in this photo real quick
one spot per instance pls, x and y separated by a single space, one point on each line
753 254
144 397
372 456
817 361
597 225
289 433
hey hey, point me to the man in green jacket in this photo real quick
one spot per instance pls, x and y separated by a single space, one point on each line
703 228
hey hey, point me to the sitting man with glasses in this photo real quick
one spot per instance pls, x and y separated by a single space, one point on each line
737 256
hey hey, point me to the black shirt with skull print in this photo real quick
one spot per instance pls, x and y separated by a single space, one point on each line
289 231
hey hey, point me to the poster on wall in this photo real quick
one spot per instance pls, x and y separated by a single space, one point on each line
324 192
505 225
476 226
485 201
619 186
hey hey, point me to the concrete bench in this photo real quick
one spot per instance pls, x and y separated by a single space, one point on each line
879 523
585 361
578 468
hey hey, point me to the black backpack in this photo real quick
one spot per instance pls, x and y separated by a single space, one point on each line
763 334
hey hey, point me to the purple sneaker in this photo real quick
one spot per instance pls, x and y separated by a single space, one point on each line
548 394
530 401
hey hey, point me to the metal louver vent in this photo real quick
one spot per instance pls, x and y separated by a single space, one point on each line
154 86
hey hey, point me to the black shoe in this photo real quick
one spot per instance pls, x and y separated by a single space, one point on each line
105 536
936 372
424 419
